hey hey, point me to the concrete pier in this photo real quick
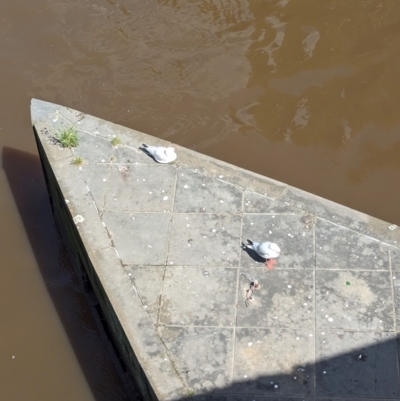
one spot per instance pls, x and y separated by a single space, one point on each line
160 247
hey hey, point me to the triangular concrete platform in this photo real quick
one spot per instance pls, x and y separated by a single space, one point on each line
161 245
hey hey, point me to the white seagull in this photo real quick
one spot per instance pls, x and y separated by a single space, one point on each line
267 250
160 154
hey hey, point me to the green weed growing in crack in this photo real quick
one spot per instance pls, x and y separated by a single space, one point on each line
68 138
115 141
77 161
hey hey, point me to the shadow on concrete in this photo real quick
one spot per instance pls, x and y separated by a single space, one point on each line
25 178
364 373
253 254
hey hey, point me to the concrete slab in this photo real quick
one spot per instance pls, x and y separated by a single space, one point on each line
274 361
196 192
199 296
49 142
129 155
396 292
148 283
203 355
162 247
356 364
285 299
151 188
204 240
356 300
42 110
140 238
65 114
227 172
395 259
56 121
141 345
289 231
256 203
342 215
340 248
93 149
81 205
97 176
89 125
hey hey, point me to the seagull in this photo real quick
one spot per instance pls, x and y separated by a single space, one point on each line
267 250
160 154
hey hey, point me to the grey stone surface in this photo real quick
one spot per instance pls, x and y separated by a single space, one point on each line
198 296
57 123
128 155
356 364
354 300
97 177
69 116
256 203
171 264
262 368
138 328
140 238
395 258
289 232
396 293
229 173
127 305
341 215
203 355
81 205
93 149
338 247
285 299
141 188
42 110
196 192
166 383
148 282
204 239
48 141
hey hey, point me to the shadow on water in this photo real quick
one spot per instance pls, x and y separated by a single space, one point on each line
25 178
365 365
364 373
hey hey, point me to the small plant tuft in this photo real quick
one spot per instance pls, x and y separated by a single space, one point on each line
77 161
68 138
191 393
115 141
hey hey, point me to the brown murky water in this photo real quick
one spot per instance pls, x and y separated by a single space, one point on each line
303 91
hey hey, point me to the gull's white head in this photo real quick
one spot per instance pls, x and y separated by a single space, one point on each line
273 250
170 154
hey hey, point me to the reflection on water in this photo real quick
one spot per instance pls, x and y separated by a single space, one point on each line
305 92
